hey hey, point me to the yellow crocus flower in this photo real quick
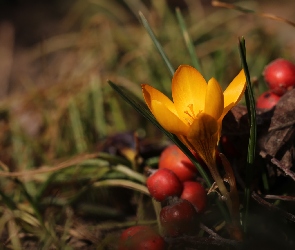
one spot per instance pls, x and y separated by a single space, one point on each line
195 117
196 112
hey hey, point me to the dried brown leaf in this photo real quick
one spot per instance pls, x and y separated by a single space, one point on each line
277 140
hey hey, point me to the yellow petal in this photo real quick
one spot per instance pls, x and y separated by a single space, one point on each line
214 99
168 119
188 90
203 136
235 89
151 94
234 92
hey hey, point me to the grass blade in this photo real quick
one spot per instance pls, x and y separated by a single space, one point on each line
31 200
130 173
98 110
77 127
187 40
122 183
250 102
13 231
157 44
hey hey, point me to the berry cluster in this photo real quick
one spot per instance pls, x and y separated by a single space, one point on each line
173 184
183 199
280 77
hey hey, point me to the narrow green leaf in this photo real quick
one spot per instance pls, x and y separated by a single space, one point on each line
188 42
27 217
42 188
157 207
77 127
114 159
122 183
117 114
30 199
13 231
250 102
157 44
97 100
5 217
130 173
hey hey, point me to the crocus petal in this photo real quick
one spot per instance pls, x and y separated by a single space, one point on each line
168 120
188 90
151 94
214 99
203 136
235 90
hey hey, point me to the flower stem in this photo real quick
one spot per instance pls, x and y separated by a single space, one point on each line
219 182
231 197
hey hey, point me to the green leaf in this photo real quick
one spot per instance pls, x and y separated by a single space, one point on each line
77 127
188 42
31 200
250 102
122 183
157 44
98 110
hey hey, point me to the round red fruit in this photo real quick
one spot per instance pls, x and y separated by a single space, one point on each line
163 184
179 218
280 76
196 194
141 238
267 100
174 159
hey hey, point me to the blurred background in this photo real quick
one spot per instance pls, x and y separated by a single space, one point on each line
59 54
56 58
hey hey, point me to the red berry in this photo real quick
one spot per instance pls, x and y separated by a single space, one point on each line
196 194
280 76
174 159
141 238
267 100
164 183
179 218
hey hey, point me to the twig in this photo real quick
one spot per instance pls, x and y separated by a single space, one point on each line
202 243
272 207
281 166
68 163
279 197
210 232
244 10
217 237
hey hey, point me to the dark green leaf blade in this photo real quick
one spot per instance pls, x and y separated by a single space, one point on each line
187 40
250 102
156 42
